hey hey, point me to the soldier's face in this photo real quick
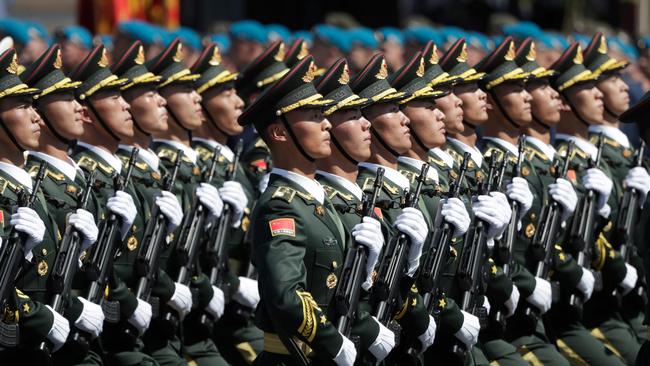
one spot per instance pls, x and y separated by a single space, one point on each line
391 124
427 121
185 103
352 130
224 106
615 93
515 101
452 107
147 108
64 112
311 128
114 111
475 105
546 102
588 101
20 117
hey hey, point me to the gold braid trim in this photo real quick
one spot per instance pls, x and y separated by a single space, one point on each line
602 246
309 323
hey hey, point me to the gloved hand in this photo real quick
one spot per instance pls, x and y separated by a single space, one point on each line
347 354
598 181
429 335
487 208
122 205
542 296
233 194
468 333
84 221
171 209
27 222
247 294
217 304
518 190
59 330
384 343
629 282
209 196
639 179
368 233
454 212
141 318
264 182
511 303
411 222
586 284
91 319
181 301
563 193
486 305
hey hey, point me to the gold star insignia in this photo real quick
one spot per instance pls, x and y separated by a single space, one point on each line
442 303
561 256
323 319
493 269
414 302
26 308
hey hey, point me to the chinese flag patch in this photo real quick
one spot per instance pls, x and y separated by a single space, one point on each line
285 226
2 218
259 164
378 213
571 174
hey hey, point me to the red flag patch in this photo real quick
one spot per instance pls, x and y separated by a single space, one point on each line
259 164
571 174
284 226
379 214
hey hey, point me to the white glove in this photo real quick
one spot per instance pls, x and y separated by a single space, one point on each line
84 221
233 194
639 179
171 209
586 284
368 233
511 303
91 319
429 335
486 304
411 222
209 196
59 331
487 209
384 343
141 317
454 212
468 333
347 354
598 181
563 193
122 205
247 294
518 190
217 303
181 301
27 221
264 182
629 282
542 296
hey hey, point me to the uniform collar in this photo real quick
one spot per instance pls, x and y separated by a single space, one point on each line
17 174
612 133
472 150
351 187
442 154
581 143
432 174
147 155
109 158
188 152
504 144
69 168
225 150
542 146
310 185
390 173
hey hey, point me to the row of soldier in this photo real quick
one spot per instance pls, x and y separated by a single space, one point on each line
367 222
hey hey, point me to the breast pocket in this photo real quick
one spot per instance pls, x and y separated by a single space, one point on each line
325 273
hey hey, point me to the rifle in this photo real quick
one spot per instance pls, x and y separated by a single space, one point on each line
66 263
583 229
11 254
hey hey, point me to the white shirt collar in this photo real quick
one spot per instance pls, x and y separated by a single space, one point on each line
20 175
69 168
504 144
612 133
432 174
472 150
547 149
442 154
581 143
225 150
111 159
310 185
351 187
390 173
187 150
147 155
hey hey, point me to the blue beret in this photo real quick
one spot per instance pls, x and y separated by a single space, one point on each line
106 40
617 43
450 34
78 34
304 34
334 36
479 40
223 42
553 40
278 32
522 30
21 32
391 34
583 39
363 37
250 30
422 35
188 36
144 32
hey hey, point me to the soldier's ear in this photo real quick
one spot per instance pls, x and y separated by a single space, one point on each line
85 114
277 132
564 106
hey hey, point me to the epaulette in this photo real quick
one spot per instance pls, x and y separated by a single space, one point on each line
368 184
593 138
531 153
284 193
409 175
261 143
167 154
3 185
90 165
33 171
457 157
204 154
331 192
390 188
494 150
438 162
562 150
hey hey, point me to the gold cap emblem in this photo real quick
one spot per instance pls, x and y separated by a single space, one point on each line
132 243
42 268
216 57
178 56
279 56
434 55
139 58
304 51
602 47
578 57
310 74
532 53
331 281
103 61
383 70
463 54
510 55
345 75
420 71
13 66
57 60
